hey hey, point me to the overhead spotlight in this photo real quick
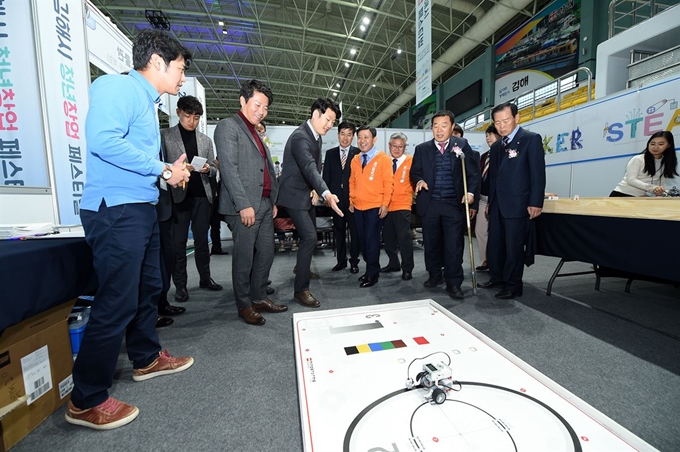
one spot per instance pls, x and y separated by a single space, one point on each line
353 51
362 28
373 85
366 20
157 19
335 94
283 122
338 85
399 50
224 31
358 106
220 23
346 64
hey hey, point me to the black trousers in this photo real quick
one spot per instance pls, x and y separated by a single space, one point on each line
369 225
305 225
126 247
506 251
340 225
167 259
397 237
442 229
197 212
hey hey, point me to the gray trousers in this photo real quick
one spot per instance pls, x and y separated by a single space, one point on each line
397 237
253 255
305 225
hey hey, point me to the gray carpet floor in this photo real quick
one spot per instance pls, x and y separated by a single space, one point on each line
618 352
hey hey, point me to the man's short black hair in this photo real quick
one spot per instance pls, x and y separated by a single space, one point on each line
459 129
248 89
371 129
162 44
346 125
190 105
441 113
323 104
503 106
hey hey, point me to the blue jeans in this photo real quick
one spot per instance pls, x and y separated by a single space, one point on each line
125 244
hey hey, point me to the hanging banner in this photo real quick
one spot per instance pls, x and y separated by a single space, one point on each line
543 48
60 27
422 113
423 50
108 48
23 160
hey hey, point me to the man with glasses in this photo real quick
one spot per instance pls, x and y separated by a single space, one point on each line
516 190
300 179
397 227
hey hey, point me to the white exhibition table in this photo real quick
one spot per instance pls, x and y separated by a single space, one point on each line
352 366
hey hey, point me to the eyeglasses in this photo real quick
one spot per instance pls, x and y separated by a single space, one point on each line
503 121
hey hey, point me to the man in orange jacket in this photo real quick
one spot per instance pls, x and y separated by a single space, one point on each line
370 192
397 227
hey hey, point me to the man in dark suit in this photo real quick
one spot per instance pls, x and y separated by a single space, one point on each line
336 172
516 191
300 175
437 175
248 199
193 203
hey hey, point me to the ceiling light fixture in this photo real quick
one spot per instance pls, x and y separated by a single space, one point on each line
366 20
338 85
399 50
335 94
346 64
353 51
224 31
373 85
220 23
362 27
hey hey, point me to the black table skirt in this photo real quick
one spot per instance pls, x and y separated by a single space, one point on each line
39 274
635 246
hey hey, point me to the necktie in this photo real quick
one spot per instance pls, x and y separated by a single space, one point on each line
442 147
506 142
485 170
365 160
394 166
343 158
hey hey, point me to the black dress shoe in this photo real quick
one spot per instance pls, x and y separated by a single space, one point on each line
268 306
171 310
251 316
454 292
363 277
181 294
210 285
433 282
305 298
388 269
217 251
406 275
162 322
369 281
482 268
508 294
270 290
490 284
339 266
354 269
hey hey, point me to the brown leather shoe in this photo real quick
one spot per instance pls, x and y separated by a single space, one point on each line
251 316
106 416
268 306
306 299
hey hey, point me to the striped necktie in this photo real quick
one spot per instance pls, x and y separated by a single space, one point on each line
343 158
485 170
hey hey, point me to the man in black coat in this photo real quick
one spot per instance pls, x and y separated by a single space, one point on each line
336 172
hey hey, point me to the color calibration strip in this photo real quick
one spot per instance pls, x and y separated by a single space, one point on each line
379 346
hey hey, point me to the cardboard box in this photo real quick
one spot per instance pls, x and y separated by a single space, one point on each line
35 372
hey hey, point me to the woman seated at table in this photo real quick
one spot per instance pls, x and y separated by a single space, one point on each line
645 171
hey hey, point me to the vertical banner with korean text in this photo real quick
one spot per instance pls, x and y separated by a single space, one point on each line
23 160
108 48
423 50
65 75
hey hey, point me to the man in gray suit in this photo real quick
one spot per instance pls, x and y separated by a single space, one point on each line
193 202
248 200
300 175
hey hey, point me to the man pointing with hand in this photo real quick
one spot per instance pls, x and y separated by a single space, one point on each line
300 175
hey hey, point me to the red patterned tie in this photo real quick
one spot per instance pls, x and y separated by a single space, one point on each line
442 147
